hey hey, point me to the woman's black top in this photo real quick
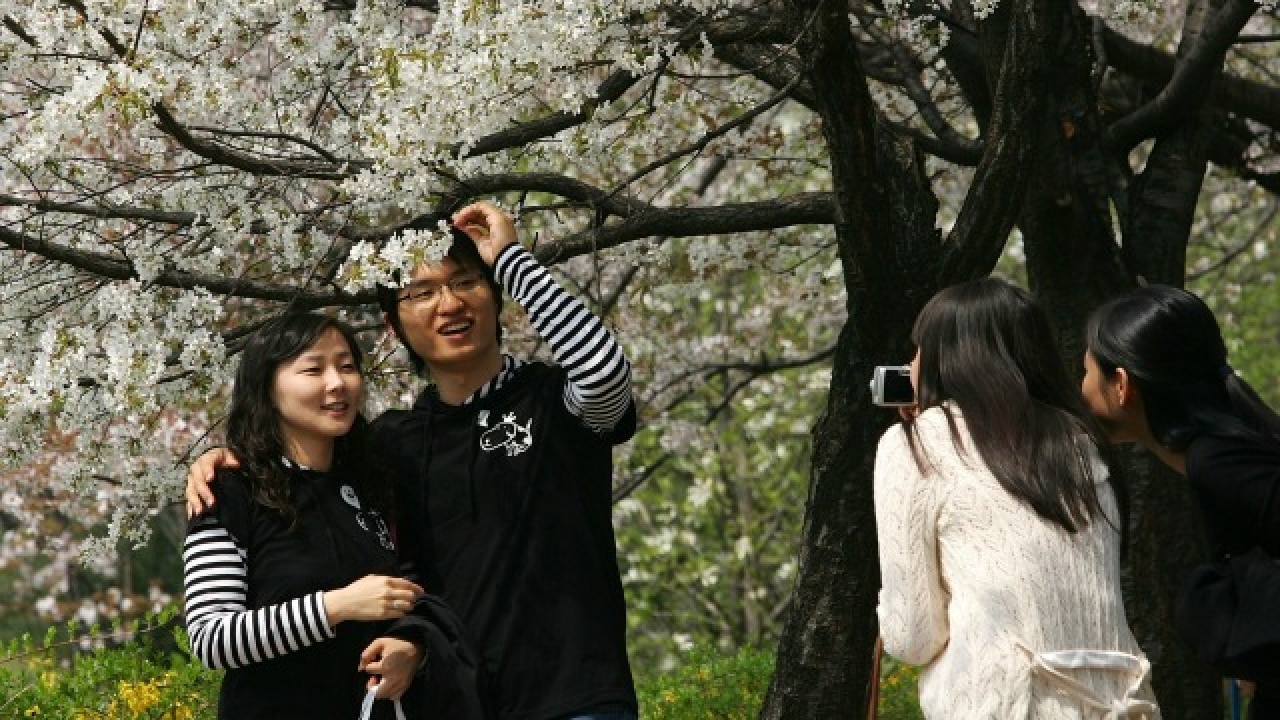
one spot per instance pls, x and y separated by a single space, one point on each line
254 590
1237 483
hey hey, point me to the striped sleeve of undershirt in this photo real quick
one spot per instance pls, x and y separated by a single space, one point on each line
599 387
224 632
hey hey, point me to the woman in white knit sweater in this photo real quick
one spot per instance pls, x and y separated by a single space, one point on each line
998 529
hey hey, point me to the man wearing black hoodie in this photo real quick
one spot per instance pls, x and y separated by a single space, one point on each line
505 465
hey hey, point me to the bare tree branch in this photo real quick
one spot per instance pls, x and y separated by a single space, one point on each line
1019 111
1254 100
777 69
324 154
702 142
754 371
216 152
754 368
611 89
105 212
728 30
770 67
116 46
18 30
967 154
631 484
803 209
910 83
641 220
613 204
1190 75
105 266
766 365
1238 248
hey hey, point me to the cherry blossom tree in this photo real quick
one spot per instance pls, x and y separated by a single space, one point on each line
173 172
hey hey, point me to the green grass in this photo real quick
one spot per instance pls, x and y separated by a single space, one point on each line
153 678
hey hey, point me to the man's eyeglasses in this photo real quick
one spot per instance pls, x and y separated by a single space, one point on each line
425 296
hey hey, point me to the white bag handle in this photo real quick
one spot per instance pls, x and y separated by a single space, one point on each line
366 707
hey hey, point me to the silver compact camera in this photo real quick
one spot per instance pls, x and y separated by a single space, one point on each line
891 386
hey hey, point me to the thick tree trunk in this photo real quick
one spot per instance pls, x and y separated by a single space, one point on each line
1167 538
1072 272
1163 196
1072 259
1074 264
889 252
893 262
1165 542
824 657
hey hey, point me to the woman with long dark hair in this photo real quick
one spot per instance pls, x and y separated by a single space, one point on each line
999 533
291 578
1156 374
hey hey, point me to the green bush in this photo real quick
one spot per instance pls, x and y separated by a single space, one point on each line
713 686
709 685
153 678
144 679
899 694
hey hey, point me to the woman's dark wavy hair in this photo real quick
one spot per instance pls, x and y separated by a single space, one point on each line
987 347
1169 343
463 251
254 424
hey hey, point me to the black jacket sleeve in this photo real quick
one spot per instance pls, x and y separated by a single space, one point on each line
452 683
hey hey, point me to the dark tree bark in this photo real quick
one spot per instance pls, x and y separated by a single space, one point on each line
1053 164
888 248
1165 542
893 262
1074 263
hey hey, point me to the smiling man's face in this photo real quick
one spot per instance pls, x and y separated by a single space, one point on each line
456 330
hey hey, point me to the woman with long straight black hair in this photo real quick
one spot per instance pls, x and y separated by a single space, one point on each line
999 533
291 578
1156 374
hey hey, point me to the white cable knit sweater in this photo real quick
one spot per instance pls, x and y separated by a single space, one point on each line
981 591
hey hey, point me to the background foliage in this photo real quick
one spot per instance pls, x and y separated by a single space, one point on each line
756 195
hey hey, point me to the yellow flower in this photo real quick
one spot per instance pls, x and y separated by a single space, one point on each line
32 711
139 697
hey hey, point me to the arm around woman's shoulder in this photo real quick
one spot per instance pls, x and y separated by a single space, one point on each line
913 601
223 631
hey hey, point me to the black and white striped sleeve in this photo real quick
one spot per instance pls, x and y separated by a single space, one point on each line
599 387
224 632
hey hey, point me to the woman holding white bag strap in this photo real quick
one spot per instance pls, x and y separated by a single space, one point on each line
292 579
